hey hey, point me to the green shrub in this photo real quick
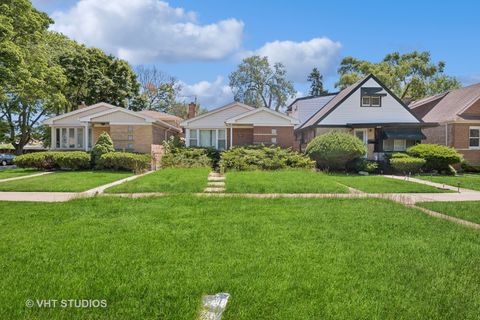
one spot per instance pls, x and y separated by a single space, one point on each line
437 157
467 167
262 158
334 150
186 158
407 164
125 161
399 155
361 164
73 160
103 145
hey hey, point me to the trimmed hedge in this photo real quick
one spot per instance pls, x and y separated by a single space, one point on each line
72 160
333 150
262 158
124 161
437 157
187 158
404 163
103 145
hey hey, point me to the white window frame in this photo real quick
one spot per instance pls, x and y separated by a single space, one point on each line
366 104
198 141
274 131
379 101
62 133
365 137
477 138
403 143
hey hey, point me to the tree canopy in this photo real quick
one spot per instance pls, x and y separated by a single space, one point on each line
410 75
316 83
257 83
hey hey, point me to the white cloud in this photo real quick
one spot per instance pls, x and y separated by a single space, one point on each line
299 58
142 31
209 94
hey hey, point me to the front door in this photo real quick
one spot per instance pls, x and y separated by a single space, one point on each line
362 134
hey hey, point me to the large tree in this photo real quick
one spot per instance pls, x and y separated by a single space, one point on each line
316 83
411 75
31 83
257 83
158 90
92 75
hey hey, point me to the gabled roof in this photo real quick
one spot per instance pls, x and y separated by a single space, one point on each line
342 96
71 113
330 95
448 106
129 112
160 115
233 120
207 114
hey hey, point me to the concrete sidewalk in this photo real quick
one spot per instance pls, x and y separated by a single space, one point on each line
26 177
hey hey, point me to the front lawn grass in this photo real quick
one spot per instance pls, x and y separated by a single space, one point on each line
154 258
175 180
13 173
63 181
281 181
467 181
466 210
379 184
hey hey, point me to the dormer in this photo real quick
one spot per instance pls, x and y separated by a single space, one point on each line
371 96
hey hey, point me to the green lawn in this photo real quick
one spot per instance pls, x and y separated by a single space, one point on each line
467 210
379 184
281 181
62 181
467 181
12 173
174 180
153 258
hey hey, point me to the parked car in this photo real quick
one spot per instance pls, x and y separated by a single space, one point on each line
6 159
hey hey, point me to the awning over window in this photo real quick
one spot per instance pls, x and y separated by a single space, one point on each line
403 133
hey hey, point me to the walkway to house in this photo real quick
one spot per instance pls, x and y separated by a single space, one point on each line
25 177
216 183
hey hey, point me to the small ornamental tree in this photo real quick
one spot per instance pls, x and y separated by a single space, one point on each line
437 157
103 145
334 150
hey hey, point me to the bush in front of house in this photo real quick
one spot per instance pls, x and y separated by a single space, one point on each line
262 157
124 161
103 145
186 158
403 163
333 150
437 157
468 167
361 164
71 160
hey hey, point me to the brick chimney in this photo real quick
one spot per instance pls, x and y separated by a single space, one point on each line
82 105
192 110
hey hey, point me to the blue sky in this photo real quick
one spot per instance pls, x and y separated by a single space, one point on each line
201 42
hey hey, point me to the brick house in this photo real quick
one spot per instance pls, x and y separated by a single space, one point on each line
366 109
458 114
237 124
130 131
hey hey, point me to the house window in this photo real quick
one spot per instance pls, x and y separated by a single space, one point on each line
222 142
89 138
274 131
207 138
80 137
371 101
57 138
474 137
130 129
64 138
193 138
394 145
130 137
130 146
274 140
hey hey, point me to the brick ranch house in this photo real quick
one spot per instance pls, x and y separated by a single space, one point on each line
458 113
130 131
366 109
237 124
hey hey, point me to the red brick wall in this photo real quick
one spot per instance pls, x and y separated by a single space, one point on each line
284 136
241 136
461 141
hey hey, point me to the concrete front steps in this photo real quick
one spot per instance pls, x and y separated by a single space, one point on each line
216 183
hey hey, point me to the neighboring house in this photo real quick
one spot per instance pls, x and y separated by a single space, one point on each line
367 109
458 113
237 124
129 130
